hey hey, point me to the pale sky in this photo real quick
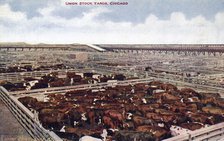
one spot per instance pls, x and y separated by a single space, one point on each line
139 22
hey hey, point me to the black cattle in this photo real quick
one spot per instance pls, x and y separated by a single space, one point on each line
88 74
133 136
119 77
13 87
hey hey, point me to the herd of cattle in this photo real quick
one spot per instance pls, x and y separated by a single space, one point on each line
142 112
53 80
28 68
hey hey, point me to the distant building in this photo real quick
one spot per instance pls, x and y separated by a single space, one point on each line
78 56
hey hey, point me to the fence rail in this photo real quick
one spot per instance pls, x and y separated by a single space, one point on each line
133 81
26 118
19 76
214 132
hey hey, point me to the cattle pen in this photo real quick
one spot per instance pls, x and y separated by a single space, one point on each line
126 82
19 76
29 122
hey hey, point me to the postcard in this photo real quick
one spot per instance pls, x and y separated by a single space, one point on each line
111 70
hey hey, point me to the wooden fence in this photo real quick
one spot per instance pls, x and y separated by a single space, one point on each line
26 118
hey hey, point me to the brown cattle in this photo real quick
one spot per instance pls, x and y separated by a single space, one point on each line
163 112
130 108
155 83
167 96
138 120
140 87
29 79
91 116
41 105
27 101
188 92
128 125
197 117
51 118
192 126
213 110
214 95
219 102
108 122
145 108
192 107
140 94
153 116
76 93
176 108
105 78
115 115
168 87
71 74
82 132
158 132
125 135
191 100
126 88
71 129
57 83
56 97
208 100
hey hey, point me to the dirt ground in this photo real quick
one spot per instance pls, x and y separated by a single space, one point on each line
10 129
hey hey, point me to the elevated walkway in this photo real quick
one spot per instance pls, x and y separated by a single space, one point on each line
96 47
10 129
